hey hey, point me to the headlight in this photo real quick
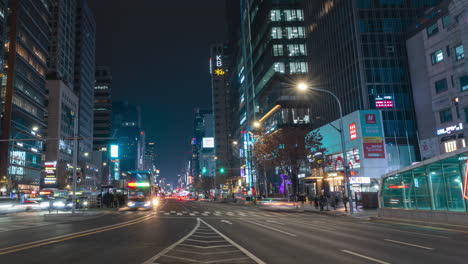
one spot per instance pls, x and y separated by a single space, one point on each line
85 203
70 205
130 203
44 204
155 202
147 204
59 204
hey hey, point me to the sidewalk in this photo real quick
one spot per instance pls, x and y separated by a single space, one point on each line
340 211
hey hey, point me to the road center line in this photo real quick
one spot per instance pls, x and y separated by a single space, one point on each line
245 251
408 244
364 257
51 241
269 227
73 234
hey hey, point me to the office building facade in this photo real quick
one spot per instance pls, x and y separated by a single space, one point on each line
25 94
439 75
364 63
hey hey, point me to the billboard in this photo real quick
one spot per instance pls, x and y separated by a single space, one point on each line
372 135
50 175
114 151
208 142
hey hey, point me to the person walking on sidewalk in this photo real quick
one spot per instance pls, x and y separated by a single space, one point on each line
345 202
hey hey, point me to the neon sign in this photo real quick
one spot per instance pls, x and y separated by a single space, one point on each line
219 61
353 131
220 72
450 129
384 102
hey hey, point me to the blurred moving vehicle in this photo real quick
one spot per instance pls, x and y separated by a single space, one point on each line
141 191
282 204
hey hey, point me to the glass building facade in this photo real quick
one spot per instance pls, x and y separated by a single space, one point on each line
364 63
439 184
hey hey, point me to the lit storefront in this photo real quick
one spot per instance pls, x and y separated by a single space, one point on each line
365 153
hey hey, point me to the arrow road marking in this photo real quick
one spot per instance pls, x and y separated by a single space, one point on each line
226 221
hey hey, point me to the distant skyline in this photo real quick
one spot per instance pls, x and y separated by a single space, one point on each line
158 52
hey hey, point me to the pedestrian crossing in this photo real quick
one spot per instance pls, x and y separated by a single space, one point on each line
227 214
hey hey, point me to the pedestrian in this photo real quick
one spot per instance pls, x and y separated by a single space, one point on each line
316 202
345 202
322 201
333 201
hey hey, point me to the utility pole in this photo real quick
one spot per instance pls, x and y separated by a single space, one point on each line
75 158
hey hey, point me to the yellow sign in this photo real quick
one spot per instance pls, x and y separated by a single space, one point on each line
372 140
220 72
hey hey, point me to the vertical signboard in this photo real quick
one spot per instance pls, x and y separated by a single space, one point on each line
50 175
372 135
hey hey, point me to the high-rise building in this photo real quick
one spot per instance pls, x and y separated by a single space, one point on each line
272 58
85 50
3 40
150 157
356 50
102 128
203 158
222 106
127 130
439 75
25 94
63 101
102 108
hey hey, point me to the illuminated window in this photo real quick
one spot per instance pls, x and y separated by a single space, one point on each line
275 15
459 52
450 146
278 50
437 57
279 67
294 15
464 83
298 67
276 32
463 143
296 50
295 32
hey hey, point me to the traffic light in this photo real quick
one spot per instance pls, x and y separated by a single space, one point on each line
222 170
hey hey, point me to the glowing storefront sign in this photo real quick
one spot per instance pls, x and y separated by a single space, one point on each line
384 102
449 130
353 131
114 152
50 177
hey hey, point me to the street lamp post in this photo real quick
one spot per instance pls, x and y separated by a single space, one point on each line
304 87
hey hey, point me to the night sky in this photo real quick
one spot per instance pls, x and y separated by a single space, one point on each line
158 51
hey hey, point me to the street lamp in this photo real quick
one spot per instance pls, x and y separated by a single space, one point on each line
257 124
305 87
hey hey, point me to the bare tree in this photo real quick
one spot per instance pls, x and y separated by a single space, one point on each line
287 149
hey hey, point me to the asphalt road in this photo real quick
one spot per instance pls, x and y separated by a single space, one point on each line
204 232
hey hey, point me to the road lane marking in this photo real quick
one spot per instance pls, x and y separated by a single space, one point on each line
269 227
364 257
166 213
179 213
245 251
68 237
195 246
397 230
226 260
310 224
422 226
274 222
173 212
201 241
206 254
226 221
206 236
157 256
184 259
408 244
192 214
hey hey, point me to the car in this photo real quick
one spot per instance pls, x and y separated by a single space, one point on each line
280 204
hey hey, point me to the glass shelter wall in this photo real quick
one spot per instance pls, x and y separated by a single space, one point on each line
437 186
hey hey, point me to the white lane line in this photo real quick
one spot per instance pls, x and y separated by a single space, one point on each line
269 227
157 256
310 224
219 246
364 257
205 254
226 221
403 231
245 251
204 233
184 259
408 244
191 214
173 212
226 260
206 236
201 241
179 213
274 222
166 213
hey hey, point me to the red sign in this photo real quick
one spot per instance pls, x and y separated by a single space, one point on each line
370 119
353 131
384 104
374 150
